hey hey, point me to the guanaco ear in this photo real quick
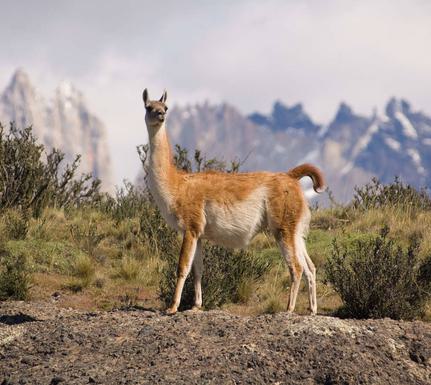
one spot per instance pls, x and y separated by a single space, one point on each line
146 98
164 97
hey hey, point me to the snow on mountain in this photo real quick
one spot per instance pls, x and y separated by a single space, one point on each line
64 123
399 148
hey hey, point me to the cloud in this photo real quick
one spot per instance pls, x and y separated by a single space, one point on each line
246 52
362 52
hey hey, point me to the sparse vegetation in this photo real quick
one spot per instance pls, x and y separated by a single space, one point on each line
118 251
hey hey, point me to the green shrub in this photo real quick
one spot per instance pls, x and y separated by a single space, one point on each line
199 162
129 201
31 179
376 195
15 278
156 234
224 276
76 285
45 256
377 278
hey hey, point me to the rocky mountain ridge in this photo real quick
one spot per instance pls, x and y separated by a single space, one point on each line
350 149
64 122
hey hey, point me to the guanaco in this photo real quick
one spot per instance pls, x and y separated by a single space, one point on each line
228 209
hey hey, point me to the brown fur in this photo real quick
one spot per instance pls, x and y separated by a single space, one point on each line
311 171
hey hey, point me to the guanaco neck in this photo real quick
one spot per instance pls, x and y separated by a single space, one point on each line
162 172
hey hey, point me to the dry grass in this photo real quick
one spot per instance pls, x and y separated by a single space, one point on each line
107 263
402 225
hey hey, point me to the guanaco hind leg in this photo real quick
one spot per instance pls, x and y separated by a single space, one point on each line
289 252
298 261
310 275
197 275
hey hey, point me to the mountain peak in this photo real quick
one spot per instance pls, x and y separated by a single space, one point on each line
280 106
344 113
397 105
283 117
19 87
20 77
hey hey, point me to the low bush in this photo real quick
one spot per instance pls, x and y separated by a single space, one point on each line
83 272
45 256
84 268
271 294
15 278
375 278
129 201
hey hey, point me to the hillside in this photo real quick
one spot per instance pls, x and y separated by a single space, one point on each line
43 344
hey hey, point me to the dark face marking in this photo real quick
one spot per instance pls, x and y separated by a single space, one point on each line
156 112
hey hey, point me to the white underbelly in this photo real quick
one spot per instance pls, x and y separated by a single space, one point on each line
235 225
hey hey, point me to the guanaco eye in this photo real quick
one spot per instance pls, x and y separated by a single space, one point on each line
166 108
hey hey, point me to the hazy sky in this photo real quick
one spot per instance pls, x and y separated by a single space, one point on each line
248 53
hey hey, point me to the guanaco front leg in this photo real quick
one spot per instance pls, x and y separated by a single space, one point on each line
187 254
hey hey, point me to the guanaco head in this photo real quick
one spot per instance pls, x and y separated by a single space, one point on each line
155 110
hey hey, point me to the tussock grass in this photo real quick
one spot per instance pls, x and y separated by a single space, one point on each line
130 269
84 267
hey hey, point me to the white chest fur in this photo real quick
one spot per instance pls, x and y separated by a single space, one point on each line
164 199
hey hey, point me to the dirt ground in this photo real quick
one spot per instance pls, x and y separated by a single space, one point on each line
41 343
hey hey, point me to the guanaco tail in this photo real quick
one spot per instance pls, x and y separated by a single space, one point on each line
229 209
